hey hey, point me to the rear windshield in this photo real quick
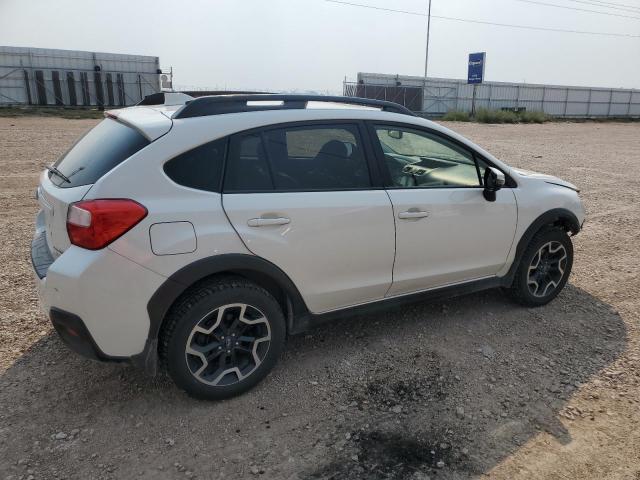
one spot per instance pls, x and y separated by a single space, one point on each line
102 148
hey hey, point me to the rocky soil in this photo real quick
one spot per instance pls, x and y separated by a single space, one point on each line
472 387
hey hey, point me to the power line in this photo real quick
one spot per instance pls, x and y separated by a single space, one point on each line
617 4
465 20
426 55
577 9
377 8
545 29
605 6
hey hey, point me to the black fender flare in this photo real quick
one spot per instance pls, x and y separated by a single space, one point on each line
250 266
555 216
239 263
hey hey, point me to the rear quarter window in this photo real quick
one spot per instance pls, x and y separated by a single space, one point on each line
199 168
101 149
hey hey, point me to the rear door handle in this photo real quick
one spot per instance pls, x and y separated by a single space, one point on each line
265 222
410 214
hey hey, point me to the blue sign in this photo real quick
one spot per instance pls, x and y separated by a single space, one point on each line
476 67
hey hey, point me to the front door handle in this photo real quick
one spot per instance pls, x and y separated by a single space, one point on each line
412 214
265 222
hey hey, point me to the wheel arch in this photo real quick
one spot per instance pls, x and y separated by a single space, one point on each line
557 217
253 268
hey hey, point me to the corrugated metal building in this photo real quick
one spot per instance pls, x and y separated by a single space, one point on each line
437 96
43 76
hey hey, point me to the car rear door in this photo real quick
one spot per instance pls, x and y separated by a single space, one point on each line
302 197
446 231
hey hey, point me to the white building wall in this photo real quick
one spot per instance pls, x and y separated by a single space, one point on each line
139 76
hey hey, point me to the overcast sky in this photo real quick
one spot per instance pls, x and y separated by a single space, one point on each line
313 44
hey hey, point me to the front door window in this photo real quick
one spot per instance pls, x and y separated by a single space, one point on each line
424 160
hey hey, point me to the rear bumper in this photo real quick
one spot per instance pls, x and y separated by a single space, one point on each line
41 260
41 257
97 301
75 334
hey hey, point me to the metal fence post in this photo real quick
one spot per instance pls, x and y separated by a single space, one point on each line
490 94
473 100
566 102
457 97
610 102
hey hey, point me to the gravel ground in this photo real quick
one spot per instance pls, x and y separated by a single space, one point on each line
472 387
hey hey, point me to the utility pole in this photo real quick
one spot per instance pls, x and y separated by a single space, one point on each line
426 60
426 56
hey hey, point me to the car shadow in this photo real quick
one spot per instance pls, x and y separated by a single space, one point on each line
447 389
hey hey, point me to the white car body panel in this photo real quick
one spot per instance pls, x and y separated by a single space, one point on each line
338 247
166 201
464 237
547 178
109 293
535 197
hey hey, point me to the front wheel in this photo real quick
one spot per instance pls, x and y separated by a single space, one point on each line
223 338
544 268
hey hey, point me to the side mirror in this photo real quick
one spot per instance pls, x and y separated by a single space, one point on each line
397 134
493 181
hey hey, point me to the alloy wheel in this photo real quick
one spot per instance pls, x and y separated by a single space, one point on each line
228 344
547 268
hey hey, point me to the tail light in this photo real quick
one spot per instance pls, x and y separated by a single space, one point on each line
94 224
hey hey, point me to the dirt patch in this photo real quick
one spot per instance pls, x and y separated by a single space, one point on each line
388 388
379 454
471 387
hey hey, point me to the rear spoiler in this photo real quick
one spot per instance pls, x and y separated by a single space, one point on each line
150 122
166 98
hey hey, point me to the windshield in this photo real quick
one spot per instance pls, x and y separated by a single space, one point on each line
102 148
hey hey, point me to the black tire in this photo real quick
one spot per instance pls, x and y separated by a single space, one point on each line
522 290
200 307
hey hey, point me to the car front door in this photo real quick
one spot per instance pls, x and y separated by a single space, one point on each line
301 196
446 231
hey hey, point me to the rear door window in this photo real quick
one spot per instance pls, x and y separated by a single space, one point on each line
317 158
101 149
298 158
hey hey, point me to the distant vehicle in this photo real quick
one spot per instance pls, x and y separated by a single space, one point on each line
196 234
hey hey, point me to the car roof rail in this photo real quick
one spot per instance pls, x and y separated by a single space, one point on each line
220 104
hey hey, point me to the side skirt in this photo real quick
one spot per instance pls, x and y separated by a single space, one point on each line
310 320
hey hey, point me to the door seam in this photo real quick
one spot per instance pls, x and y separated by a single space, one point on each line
395 243
233 226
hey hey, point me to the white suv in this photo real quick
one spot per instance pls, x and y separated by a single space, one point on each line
198 233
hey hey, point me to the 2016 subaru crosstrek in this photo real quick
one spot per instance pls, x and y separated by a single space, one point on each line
196 234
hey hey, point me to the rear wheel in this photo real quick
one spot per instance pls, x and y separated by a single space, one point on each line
223 338
544 268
